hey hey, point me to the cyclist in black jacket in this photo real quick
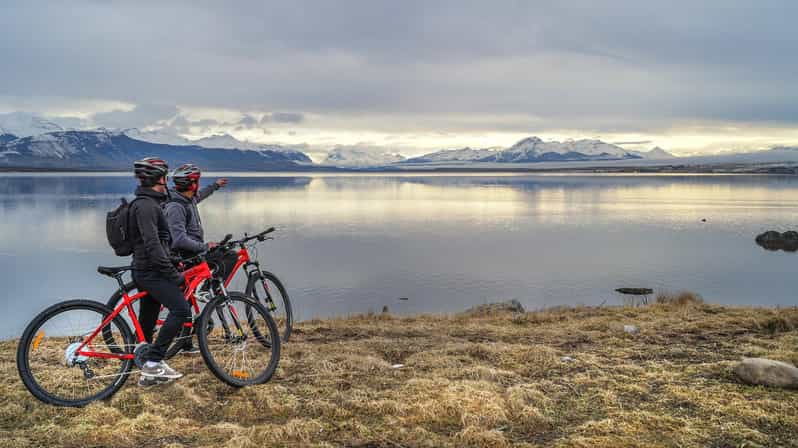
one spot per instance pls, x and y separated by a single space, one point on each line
153 271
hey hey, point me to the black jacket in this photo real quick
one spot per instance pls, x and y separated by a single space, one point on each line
150 234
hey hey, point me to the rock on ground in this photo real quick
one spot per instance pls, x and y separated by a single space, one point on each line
513 306
631 329
767 372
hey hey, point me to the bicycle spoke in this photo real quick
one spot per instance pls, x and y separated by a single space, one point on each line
232 349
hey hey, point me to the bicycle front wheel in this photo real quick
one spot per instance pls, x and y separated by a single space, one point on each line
231 349
51 368
268 290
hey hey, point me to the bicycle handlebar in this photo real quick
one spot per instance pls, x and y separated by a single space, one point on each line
225 243
260 237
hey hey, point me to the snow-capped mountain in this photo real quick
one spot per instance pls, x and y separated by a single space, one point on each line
656 153
224 141
533 149
156 136
24 124
453 155
229 142
352 156
104 150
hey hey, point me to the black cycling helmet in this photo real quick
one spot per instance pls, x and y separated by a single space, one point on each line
186 176
149 169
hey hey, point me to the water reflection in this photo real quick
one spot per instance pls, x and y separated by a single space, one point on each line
353 243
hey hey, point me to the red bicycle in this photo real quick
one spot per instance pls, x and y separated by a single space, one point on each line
262 285
79 351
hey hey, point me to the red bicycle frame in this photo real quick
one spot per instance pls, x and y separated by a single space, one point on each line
194 277
243 258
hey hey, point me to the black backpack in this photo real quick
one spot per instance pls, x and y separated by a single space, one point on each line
117 228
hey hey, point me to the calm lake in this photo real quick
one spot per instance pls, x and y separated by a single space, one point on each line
355 243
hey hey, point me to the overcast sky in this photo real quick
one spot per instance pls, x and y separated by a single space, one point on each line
691 76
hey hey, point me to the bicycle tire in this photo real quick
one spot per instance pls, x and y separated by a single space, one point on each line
209 341
31 337
179 340
252 291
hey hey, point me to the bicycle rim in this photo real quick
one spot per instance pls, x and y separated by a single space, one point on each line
52 370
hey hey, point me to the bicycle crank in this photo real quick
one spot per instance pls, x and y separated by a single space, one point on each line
139 353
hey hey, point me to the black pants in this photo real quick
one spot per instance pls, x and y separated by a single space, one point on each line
160 292
222 261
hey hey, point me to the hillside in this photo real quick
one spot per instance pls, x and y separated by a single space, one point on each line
478 380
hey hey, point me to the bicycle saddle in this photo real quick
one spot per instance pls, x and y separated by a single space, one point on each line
113 271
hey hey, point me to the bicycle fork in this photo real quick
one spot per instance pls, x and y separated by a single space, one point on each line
270 306
229 334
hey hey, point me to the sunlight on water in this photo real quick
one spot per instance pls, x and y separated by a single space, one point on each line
354 243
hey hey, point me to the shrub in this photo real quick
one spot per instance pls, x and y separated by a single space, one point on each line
683 298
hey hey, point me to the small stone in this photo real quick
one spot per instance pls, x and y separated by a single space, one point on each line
567 359
397 366
767 372
631 329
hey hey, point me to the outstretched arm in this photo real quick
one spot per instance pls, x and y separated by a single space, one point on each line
203 193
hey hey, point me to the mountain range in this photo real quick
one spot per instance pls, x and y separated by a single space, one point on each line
109 150
534 150
28 141
355 157
224 141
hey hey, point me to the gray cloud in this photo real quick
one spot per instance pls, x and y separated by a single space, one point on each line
609 65
140 116
181 125
180 122
283 117
248 121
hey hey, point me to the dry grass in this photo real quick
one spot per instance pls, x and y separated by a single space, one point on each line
468 380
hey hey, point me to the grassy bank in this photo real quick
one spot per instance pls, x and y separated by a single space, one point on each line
478 379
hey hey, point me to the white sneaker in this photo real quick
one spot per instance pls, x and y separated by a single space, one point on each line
160 370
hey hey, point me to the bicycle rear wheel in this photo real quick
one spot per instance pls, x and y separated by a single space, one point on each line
48 363
229 346
269 291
